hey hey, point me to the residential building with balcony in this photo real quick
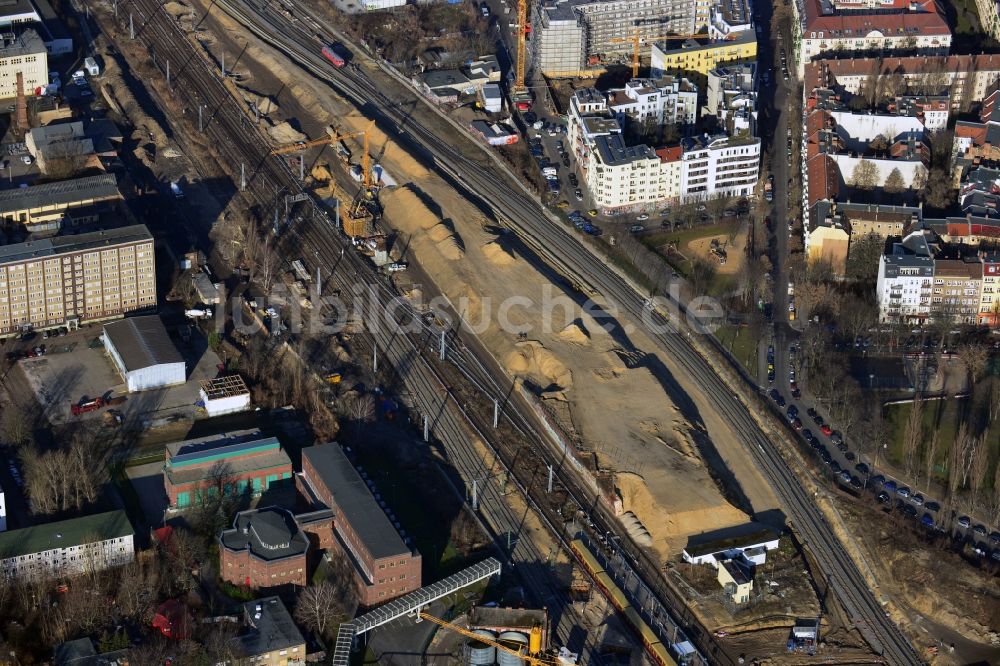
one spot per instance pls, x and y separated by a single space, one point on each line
719 165
906 27
697 57
67 547
989 17
989 299
957 290
731 97
648 103
71 280
906 281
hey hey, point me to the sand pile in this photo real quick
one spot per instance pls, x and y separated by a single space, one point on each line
321 172
498 255
575 334
177 9
535 362
406 210
439 232
636 529
671 525
384 149
267 105
451 249
283 133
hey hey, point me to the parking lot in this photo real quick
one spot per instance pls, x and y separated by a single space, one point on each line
75 368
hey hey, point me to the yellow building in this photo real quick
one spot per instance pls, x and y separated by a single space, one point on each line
271 637
42 207
701 56
69 280
736 580
829 243
23 53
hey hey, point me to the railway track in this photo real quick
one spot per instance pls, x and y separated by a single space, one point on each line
439 388
561 249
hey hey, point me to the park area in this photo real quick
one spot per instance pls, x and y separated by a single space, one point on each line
721 246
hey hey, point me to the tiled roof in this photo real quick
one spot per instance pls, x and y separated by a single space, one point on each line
670 153
822 73
855 24
824 179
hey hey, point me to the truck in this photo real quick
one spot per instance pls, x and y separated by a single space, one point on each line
333 54
769 188
86 406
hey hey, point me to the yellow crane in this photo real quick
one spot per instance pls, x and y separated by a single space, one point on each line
532 653
366 160
635 39
522 29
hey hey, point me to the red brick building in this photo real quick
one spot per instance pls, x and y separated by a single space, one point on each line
385 567
265 548
244 463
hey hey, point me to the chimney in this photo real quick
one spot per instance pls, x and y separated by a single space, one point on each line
21 105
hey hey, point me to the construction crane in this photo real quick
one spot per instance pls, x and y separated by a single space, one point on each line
532 653
367 178
520 92
635 39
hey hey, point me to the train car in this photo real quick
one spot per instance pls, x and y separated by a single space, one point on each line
331 54
586 557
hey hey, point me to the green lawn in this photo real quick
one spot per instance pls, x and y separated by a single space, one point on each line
940 415
741 341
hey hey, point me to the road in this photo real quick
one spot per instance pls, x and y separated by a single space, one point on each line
560 247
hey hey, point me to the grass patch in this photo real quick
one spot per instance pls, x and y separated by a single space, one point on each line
237 592
943 416
741 342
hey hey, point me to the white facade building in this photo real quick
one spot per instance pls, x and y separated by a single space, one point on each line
224 395
905 280
671 100
719 165
68 547
25 54
143 354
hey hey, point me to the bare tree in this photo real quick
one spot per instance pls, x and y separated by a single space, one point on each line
865 175
929 457
913 435
974 357
978 468
362 409
318 609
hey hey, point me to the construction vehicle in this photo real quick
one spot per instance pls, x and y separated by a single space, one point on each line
88 406
333 378
533 654
636 38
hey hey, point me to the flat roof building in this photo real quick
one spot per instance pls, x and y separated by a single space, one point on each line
385 566
730 542
143 353
70 280
246 463
23 52
43 207
67 547
224 395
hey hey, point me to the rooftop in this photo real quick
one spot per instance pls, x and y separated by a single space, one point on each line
740 38
739 536
224 387
93 240
823 15
62 192
64 534
142 342
740 574
269 534
28 42
614 152
243 451
445 78
355 501
81 652
270 628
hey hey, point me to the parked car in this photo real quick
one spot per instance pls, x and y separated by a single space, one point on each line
917 499
932 506
643 217
903 491
861 468
826 430
965 522
883 497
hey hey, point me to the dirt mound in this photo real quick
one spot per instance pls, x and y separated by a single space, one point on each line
450 248
636 529
406 210
283 133
268 105
321 172
575 334
498 255
537 363
439 232
177 9
670 526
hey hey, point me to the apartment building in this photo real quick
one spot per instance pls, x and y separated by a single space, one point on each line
719 165
967 78
906 280
979 194
70 280
67 547
23 53
697 57
956 294
265 548
270 637
731 96
989 300
251 464
44 207
832 29
649 103
570 32
385 567
989 17
931 110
